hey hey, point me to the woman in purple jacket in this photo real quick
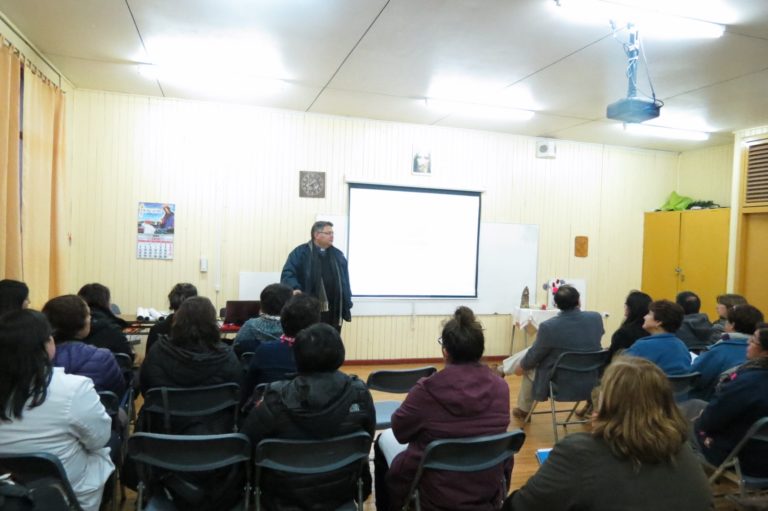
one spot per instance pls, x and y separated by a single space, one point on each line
464 399
70 318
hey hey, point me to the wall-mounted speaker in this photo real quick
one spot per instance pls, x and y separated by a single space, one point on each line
545 148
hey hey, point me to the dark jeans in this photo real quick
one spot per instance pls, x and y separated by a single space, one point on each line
380 469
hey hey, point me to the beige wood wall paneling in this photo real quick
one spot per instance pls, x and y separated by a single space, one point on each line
705 174
232 172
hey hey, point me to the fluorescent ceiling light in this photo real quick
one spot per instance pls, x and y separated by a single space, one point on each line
662 132
450 107
148 71
715 11
653 20
224 83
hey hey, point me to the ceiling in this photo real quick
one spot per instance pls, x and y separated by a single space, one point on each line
380 59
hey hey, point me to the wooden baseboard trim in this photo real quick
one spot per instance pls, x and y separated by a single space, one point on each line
393 361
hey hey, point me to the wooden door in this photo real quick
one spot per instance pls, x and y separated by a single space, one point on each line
704 255
752 278
661 240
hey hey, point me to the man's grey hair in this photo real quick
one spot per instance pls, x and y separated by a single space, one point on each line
319 226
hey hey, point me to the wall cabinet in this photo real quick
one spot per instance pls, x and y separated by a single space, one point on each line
686 251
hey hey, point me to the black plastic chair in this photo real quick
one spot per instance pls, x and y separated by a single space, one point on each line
682 384
571 380
314 457
394 381
194 402
111 402
112 406
125 363
245 360
758 432
32 467
472 454
185 453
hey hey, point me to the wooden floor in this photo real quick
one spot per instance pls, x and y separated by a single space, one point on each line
538 435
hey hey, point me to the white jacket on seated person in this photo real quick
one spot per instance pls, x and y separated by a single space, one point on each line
72 425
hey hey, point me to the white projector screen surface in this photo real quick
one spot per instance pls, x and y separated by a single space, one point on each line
413 242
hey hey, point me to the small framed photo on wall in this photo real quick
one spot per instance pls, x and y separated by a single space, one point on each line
311 184
422 163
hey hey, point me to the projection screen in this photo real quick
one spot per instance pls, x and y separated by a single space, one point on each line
413 242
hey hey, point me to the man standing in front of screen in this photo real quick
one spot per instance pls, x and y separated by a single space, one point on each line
319 269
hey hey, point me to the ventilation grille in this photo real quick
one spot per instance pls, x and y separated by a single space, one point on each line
757 174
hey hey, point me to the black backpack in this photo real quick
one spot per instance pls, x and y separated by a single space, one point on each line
44 494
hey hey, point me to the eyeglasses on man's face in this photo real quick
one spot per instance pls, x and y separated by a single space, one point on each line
328 233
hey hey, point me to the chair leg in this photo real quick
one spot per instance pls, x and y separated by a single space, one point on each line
554 416
573 410
360 504
530 412
140 497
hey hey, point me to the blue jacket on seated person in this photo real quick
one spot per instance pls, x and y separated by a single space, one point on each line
98 364
665 350
723 355
738 402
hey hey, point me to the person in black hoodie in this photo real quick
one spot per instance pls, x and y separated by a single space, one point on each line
14 296
321 402
106 328
635 309
194 356
696 330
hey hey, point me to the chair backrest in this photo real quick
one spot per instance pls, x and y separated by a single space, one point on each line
110 401
193 402
398 381
312 456
31 467
682 383
304 457
245 359
471 454
125 363
758 432
576 373
188 453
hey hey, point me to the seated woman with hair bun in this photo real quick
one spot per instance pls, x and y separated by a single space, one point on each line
465 399
637 456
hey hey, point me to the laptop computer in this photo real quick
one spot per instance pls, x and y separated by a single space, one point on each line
239 311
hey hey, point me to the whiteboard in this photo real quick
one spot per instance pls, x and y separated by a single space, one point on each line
507 264
252 283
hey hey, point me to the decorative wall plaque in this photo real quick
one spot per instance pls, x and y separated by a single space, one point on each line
311 184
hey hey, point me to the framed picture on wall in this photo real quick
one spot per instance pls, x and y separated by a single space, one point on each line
311 184
422 164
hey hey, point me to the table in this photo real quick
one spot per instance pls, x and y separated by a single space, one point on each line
529 318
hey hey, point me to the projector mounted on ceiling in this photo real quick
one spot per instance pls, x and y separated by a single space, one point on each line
633 108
